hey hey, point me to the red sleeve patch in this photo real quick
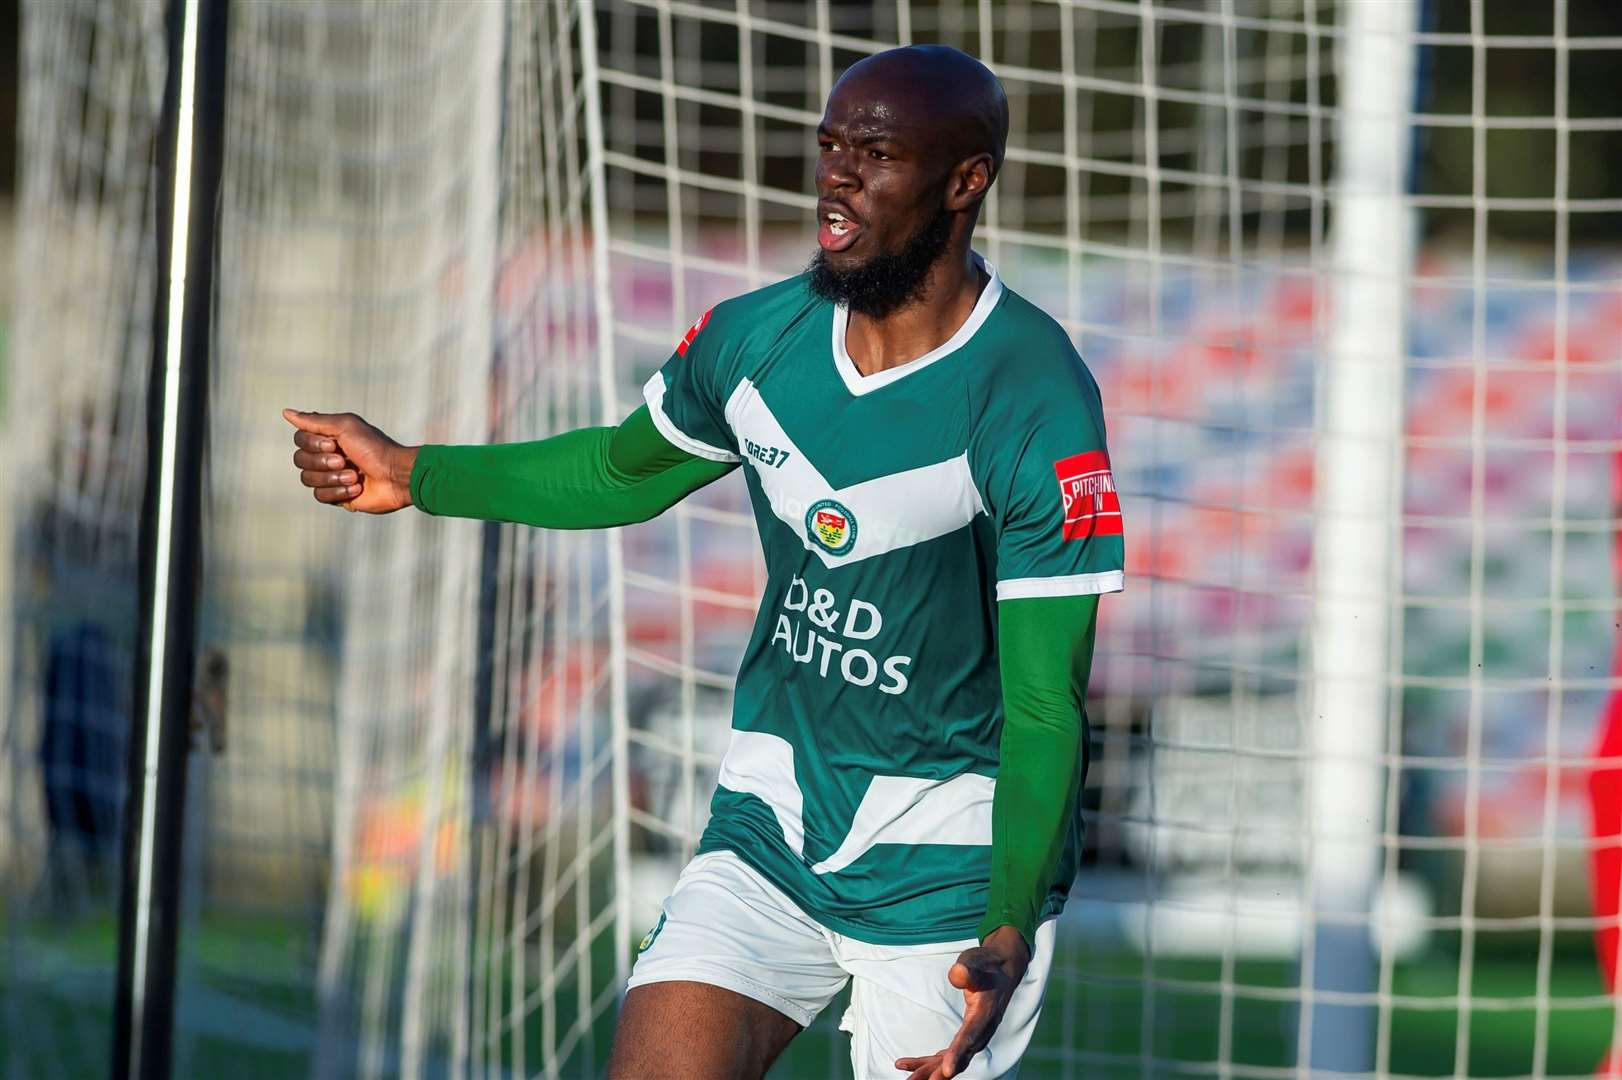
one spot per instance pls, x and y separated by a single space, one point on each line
692 332
1091 505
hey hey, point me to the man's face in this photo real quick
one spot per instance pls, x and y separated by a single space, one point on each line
881 224
879 176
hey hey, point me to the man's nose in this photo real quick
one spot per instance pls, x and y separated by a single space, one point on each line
834 172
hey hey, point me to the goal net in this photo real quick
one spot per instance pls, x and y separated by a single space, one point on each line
1346 273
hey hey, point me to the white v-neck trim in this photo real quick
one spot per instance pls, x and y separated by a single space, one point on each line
859 384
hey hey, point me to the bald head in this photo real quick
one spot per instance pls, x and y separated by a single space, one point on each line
909 144
943 92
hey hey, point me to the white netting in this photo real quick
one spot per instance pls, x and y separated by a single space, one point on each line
1335 331
406 228
75 428
400 852
1315 332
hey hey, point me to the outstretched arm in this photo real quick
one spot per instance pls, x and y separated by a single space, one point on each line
593 478
1045 646
584 479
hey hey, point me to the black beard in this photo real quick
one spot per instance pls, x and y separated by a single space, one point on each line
889 280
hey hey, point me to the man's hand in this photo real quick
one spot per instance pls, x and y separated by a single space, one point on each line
350 463
988 976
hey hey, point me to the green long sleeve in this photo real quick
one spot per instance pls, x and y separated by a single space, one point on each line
592 478
1045 647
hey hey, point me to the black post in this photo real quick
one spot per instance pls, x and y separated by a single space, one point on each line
188 165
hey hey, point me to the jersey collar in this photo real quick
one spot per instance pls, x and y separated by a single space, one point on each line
859 384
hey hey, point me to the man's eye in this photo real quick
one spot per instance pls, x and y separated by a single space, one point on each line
879 155
825 146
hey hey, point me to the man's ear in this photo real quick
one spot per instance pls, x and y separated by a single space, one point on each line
970 180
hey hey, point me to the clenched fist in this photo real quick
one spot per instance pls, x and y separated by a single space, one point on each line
350 463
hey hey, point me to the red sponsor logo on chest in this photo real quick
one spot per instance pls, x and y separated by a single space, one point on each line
1091 505
692 332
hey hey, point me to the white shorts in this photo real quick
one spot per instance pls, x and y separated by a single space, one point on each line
727 926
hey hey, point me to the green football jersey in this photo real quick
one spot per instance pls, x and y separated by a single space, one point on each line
894 511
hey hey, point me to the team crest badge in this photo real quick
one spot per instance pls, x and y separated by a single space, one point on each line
647 942
831 525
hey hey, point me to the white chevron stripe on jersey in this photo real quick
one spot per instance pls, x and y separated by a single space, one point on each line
890 512
907 810
763 765
893 810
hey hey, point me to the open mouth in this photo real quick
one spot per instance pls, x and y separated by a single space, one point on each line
836 232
